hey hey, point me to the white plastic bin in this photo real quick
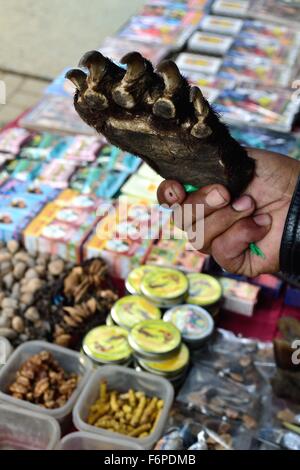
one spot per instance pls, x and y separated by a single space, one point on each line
122 379
88 441
5 350
22 429
69 360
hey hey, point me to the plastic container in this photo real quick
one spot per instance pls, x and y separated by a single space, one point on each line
69 360
22 429
5 350
122 379
88 441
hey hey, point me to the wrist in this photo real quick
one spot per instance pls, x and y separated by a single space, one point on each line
290 243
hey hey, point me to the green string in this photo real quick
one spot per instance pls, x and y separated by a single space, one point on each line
254 249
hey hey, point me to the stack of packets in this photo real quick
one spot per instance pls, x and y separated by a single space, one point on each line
11 141
165 24
245 68
143 184
63 225
238 296
176 253
286 144
124 237
20 202
287 12
55 113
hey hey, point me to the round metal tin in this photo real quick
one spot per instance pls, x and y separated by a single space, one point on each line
134 279
169 367
194 323
132 309
203 289
107 345
164 284
155 339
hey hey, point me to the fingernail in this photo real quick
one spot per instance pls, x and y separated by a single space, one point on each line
262 220
244 203
214 198
171 195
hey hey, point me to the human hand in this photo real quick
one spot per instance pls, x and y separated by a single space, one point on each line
257 216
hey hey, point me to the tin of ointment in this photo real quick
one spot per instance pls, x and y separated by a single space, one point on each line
155 340
132 309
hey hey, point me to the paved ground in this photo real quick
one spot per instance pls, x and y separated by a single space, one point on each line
21 94
42 37
39 39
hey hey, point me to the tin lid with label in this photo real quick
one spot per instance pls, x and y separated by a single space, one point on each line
169 367
132 309
134 279
155 339
164 283
194 323
107 344
203 289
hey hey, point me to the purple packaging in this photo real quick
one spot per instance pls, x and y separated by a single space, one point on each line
15 187
24 203
292 297
270 285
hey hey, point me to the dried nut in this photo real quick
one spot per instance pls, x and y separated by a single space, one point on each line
63 340
5 267
40 270
8 312
32 286
56 267
40 387
5 322
8 280
13 246
245 361
8 333
18 324
19 270
249 422
31 274
32 314
15 293
26 299
4 256
9 303
286 415
23 257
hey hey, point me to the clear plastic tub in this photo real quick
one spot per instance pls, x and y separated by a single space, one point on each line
88 441
22 429
122 379
69 360
5 350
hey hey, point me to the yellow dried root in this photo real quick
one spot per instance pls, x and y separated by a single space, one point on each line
139 410
114 401
131 413
149 410
140 430
103 391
